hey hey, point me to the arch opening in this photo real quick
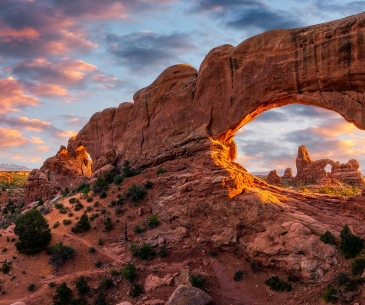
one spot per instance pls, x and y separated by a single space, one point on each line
333 147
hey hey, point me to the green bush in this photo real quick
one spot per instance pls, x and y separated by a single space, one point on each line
350 245
238 275
148 184
330 295
136 290
160 170
109 177
277 284
114 272
72 200
78 206
198 281
5 268
358 266
103 195
63 211
79 301
33 231
31 287
56 224
254 266
100 185
143 252
89 199
58 205
106 283
108 225
84 188
92 250
136 193
101 299
118 179
98 264
129 272
126 169
328 238
137 229
153 221
59 254
63 295
66 222
100 241
82 225
82 285
162 252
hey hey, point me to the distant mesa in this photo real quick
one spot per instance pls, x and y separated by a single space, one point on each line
314 172
13 168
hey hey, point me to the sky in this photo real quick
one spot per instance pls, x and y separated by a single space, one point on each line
61 61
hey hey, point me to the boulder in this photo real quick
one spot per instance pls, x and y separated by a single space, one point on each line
274 178
189 295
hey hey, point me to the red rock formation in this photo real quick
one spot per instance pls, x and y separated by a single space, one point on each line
274 178
309 171
288 176
185 121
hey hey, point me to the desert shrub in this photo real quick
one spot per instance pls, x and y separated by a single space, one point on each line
92 250
292 278
5 268
113 203
72 200
84 188
56 224
100 241
118 179
103 211
328 238
119 211
136 290
63 211
238 275
126 169
66 222
31 287
276 284
108 225
198 281
89 199
96 204
160 170
106 283
109 177
350 245
58 205
82 285
100 185
98 264
129 272
4 249
136 193
78 206
63 295
82 225
254 266
143 252
33 231
59 254
103 195
148 184
162 252
358 266
70 214
342 278
153 221
101 299
330 295
114 272
137 229
213 253
89 208
52 284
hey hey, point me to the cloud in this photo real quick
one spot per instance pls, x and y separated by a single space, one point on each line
13 97
264 19
11 137
222 6
36 140
353 7
73 120
148 50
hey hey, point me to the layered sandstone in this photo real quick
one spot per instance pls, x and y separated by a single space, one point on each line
274 178
185 122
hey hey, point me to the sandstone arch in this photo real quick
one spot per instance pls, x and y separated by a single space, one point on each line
185 112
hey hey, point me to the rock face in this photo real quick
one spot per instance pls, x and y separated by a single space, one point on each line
185 122
274 178
313 171
58 173
189 295
288 176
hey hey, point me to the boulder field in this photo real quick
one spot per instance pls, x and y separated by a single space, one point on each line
185 121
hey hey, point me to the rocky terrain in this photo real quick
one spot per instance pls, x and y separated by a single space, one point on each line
214 218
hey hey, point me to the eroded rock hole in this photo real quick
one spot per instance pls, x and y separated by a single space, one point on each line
300 145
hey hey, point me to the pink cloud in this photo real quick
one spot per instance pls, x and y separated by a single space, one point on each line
33 124
41 89
12 96
11 137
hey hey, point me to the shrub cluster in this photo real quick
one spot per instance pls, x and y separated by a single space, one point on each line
136 193
198 281
328 238
143 252
276 284
351 245
59 254
82 225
